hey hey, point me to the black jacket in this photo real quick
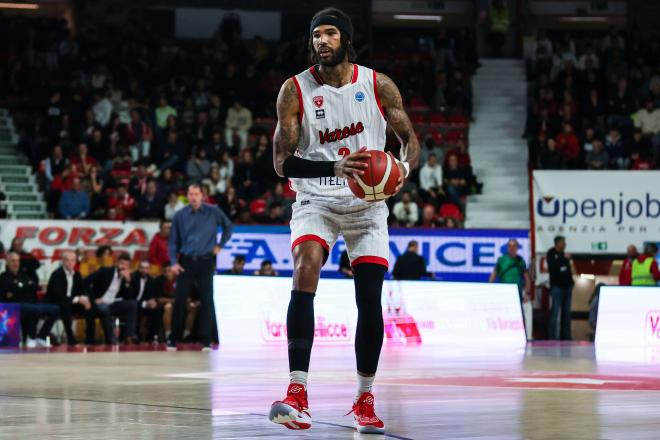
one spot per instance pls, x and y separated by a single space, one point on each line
17 288
410 266
98 282
57 287
559 267
149 288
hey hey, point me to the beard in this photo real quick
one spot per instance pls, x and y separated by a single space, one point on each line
338 58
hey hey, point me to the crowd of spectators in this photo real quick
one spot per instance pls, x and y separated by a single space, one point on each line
117 122
594 101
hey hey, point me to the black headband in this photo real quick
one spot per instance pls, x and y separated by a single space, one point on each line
340 22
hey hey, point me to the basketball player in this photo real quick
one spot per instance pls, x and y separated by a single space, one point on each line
327 116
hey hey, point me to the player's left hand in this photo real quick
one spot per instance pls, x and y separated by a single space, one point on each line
216 250
402 172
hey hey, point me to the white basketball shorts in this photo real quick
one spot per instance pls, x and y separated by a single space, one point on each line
363 226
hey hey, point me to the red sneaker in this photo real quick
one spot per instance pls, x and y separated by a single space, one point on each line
293 411
365 419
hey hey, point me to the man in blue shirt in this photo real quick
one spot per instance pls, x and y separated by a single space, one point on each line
74 203
192 250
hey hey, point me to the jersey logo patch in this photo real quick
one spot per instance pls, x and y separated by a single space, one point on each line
320 114
318 101
359 97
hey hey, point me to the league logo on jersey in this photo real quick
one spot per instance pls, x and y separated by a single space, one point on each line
318 101
359 97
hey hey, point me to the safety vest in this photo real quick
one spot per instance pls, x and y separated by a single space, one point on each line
641 273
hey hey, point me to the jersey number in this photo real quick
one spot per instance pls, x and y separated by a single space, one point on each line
344 151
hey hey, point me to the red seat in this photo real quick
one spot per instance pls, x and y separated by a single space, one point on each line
451 210
437 118
418 118
258 207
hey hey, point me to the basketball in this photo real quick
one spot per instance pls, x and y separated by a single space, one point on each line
379 179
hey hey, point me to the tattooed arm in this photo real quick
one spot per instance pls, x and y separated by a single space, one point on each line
287 138
397 118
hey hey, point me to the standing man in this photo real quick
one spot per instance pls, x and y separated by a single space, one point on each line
511 269
335 96
65 289
410 265
625 275
193 248
561 290
645 268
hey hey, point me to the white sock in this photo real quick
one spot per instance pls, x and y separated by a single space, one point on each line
298 376
365 384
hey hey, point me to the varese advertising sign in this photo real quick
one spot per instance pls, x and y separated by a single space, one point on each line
597 211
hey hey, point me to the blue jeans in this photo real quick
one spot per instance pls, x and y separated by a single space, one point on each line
561 301
32 313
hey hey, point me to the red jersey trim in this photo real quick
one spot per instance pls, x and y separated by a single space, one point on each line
355 74
301 110
370 259
316 75
380 106
310 237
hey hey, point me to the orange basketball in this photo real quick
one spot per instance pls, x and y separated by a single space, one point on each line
379 179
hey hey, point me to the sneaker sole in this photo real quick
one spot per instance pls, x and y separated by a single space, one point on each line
285 415
368 429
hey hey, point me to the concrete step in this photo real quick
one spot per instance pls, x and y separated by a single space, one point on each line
18 188
18 180
19 170
24 197
24 207
28 215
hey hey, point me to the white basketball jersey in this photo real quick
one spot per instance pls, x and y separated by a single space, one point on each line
336 122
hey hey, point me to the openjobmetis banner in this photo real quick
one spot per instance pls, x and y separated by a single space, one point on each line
597 211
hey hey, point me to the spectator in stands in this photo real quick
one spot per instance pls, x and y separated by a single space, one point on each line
430 179
430 147
149 206
102 108
122 201
164 111
620 105
174 205
99 150
645 268
238 123
137 186
498 16
217 115
171 151
54 164
410 265
216 148
144 293
405 210
616 150
345 267
82 162
568 146
139 136
275 214
266 269
245 178
167 184
66 290
455 180
598 158
589 59
198 167
511 268
648 120
429 218
561 290
625 275
110 288
237 266
158 247
29 263
18 287
74 203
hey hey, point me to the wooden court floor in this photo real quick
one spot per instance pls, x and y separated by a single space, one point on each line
546 391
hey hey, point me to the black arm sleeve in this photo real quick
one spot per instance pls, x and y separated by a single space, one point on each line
295 166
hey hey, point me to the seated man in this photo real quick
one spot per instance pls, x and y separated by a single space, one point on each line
110 289
164 287
143 291
19 287
65 289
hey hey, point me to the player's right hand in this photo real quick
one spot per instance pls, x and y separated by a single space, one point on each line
352 165
177 269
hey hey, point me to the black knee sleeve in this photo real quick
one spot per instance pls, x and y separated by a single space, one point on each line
300 329
369 335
